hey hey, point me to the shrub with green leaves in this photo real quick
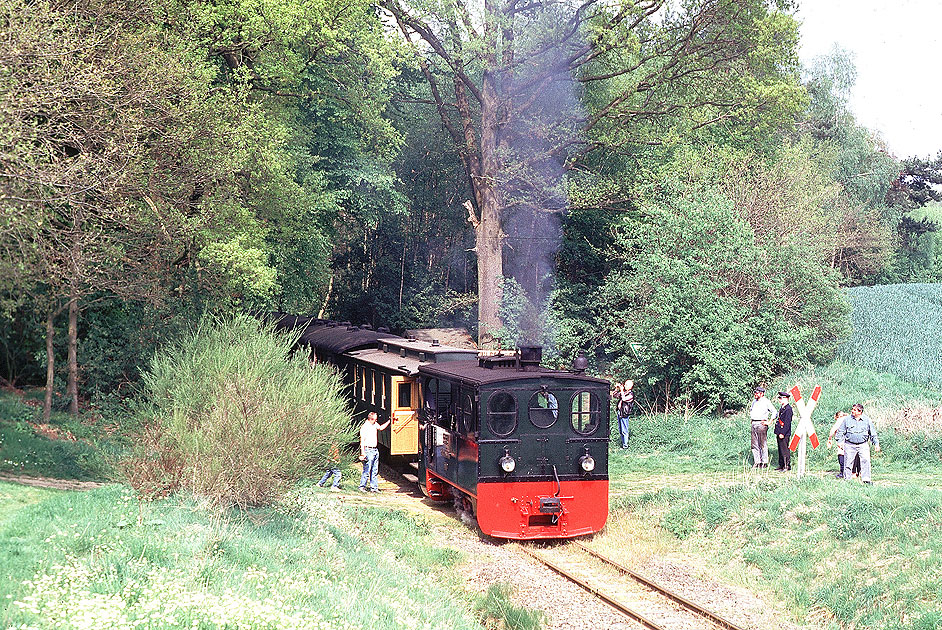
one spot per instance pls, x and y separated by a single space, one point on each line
714 309
232 414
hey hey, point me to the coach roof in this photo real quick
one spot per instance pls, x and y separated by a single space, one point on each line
337 338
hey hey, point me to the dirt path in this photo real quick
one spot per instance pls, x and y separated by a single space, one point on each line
49 482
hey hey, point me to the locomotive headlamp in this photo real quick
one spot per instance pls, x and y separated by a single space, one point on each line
587 462
507 463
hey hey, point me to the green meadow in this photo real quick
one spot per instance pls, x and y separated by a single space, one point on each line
831 554
100 559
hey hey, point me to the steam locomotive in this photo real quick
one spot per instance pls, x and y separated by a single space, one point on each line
522 447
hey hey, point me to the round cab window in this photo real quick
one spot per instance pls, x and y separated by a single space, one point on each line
502 413
544 409
585 413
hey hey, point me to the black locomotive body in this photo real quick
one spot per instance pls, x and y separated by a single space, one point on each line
522 446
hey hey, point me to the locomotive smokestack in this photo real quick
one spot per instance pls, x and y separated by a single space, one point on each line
529 357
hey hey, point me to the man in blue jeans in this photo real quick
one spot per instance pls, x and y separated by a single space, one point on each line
624 401
369 452
855 433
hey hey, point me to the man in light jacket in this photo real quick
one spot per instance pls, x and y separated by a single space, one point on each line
855 433
760 413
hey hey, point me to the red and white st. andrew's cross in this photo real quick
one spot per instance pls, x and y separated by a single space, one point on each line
805 429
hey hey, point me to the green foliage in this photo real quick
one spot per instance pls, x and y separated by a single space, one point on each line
853 157
917 196
715 309
897 329
234 417
241 138
109 561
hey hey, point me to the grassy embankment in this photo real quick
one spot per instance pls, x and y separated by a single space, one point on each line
99 559
832 554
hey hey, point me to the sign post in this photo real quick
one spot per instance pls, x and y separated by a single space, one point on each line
805 430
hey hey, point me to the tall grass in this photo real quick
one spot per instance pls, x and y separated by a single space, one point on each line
839 554
897 329
233 416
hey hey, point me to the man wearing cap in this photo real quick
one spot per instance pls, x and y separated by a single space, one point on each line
783 431
761 412
855 433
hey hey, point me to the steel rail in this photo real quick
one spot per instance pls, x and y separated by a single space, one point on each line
680 599
613 602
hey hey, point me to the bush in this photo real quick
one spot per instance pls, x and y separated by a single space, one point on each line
714 308
233 416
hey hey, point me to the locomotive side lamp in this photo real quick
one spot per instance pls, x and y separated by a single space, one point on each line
507 463
587 462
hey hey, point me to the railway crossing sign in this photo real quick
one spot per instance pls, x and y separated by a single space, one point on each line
805 431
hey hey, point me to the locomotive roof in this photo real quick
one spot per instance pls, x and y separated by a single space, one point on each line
472 372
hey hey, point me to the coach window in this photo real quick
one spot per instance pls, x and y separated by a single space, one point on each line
363 383
585 413
405 395
544 409
502 413
377 388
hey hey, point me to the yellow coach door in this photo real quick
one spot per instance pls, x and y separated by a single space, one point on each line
404 432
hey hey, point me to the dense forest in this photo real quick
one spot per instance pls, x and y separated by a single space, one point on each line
658 183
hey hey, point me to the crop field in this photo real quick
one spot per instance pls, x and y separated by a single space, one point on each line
897 328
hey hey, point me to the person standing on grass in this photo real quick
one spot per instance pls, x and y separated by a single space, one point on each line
333 469
855 465
783 431
369 452
624 402
760 413
854 434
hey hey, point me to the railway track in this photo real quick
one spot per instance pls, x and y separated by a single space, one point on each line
650 604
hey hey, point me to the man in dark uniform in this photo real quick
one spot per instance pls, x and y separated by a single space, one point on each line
783 431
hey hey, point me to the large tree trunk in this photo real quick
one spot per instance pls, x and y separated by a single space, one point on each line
73 355
488 232
50 367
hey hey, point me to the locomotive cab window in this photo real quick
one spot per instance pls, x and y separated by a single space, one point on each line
544 409
438 401
586 413
502 413
468 423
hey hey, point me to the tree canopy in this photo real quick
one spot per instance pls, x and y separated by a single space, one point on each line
657 182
